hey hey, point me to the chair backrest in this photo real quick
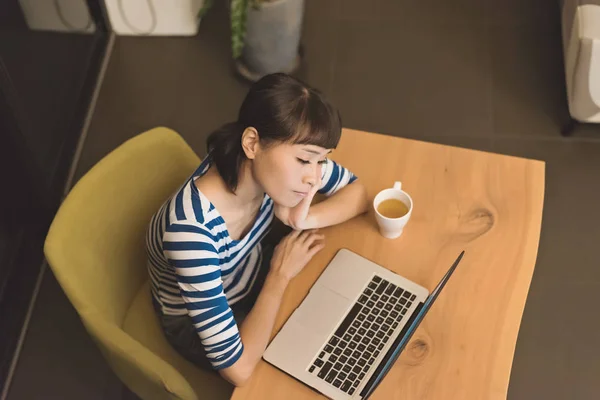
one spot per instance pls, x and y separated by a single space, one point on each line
96 244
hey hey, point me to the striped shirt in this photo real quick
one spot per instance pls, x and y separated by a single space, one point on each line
197 269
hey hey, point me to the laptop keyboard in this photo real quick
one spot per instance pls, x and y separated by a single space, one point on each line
351 351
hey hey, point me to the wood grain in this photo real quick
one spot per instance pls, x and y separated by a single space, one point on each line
489 205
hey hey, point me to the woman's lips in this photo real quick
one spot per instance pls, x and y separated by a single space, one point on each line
301 194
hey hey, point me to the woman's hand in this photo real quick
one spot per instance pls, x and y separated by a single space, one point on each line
294 252
298 217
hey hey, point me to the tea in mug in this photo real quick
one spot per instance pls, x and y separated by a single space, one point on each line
392 208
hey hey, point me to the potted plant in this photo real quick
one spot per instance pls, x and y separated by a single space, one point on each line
265 35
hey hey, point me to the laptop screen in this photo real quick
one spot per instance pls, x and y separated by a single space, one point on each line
407 332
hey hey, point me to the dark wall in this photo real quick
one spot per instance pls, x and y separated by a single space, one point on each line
46 82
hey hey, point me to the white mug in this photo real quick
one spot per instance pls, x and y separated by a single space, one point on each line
392 228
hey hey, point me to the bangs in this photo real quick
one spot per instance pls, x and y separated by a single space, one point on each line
282 109
315 122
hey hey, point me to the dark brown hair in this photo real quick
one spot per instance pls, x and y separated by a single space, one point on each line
283 110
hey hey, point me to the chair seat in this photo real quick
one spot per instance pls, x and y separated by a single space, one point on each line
142 324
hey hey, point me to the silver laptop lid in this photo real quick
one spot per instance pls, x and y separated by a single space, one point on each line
407 332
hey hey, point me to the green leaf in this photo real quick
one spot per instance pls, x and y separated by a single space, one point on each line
239 13
205 7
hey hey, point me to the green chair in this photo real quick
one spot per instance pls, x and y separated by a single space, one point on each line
96 249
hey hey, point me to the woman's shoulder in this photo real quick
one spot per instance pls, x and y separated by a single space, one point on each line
187 230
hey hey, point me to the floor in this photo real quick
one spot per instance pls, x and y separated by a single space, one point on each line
481 74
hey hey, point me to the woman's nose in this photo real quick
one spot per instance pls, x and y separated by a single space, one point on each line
312 177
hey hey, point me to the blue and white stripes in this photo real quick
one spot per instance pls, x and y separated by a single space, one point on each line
196 269
334 177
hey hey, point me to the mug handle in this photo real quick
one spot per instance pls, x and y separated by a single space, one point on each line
398 185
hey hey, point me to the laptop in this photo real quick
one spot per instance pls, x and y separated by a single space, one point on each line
351 327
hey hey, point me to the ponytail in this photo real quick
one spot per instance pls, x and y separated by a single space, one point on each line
225 151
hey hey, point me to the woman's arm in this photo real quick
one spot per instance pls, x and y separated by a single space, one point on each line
256 330
347 203
346 197
289 257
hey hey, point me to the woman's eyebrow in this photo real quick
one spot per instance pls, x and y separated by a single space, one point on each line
315 152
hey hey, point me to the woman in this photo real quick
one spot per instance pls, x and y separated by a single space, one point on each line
207 265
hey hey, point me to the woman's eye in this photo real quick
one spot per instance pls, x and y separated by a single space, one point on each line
323 162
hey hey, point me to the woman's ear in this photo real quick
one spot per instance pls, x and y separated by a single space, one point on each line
250 142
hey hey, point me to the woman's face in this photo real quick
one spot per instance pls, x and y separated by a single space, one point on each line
287 172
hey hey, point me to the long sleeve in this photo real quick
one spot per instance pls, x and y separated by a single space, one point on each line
334 177
192 250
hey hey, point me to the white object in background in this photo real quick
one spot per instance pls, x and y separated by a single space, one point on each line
392 228
154 17
58 15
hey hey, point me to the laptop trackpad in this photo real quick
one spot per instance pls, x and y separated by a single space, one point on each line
322 311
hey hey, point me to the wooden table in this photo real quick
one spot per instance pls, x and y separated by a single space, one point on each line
488 204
